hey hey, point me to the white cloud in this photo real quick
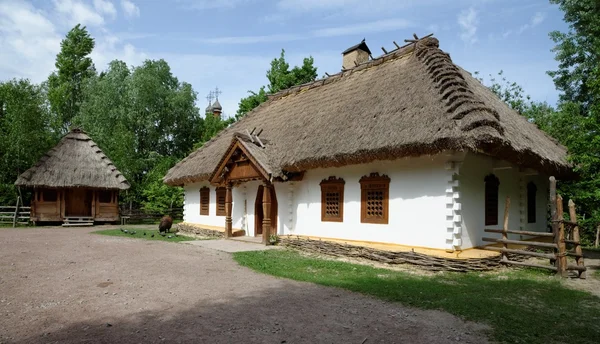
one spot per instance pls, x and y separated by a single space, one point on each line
535 20
76 12
105 7
131 10
29 40
468 22
210 4
383 25
538 18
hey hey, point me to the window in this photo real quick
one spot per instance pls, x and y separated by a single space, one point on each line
49 195
105 197
531 194
221 192
204 200
374 198
332 199
491 200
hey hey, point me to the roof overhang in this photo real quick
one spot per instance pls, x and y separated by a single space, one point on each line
239 165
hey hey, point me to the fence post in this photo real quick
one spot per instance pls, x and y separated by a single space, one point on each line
560 239
576 238
16 212
505 229
553 216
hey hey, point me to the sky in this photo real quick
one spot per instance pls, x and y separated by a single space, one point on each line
229 43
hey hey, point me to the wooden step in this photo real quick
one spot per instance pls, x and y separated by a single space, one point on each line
78 224
78 221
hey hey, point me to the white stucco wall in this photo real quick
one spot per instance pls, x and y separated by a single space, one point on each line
416 203
513 182
425 199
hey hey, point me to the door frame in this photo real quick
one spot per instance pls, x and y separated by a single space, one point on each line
258 211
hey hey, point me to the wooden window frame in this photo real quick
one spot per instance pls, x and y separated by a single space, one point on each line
205 201
491 197
221 194
105 192
332 185
531 202
378 183
45 192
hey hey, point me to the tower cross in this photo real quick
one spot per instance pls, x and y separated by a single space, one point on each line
210 97
217 92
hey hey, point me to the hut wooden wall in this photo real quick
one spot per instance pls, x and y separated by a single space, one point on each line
47 205
50 205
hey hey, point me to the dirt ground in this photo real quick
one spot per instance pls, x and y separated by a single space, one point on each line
65 285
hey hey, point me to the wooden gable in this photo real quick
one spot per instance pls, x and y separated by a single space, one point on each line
238 166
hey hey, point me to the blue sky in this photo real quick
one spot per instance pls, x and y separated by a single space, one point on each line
229 43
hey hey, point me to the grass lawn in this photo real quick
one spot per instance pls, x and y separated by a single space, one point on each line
522 306
144 234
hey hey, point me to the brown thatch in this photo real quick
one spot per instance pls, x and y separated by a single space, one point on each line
410 102
76 161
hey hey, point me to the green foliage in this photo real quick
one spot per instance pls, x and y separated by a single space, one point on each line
74 67
24 123
145 120
146 234
577 51
526 307
280 78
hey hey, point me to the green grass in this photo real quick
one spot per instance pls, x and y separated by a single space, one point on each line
139 233
526 306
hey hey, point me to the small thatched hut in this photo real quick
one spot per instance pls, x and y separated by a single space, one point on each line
406 148
74 182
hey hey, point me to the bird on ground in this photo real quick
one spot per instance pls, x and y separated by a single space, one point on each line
125 231
170 236
152 236
121 229
144 233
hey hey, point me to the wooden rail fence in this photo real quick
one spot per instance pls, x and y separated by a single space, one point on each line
564 234
15 215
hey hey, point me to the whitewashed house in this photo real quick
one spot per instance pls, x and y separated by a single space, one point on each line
406 148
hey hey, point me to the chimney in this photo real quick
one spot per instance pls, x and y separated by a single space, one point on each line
355 55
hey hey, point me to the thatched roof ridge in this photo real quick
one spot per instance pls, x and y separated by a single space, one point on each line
76 161
410 102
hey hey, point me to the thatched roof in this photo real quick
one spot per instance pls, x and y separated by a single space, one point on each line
410 102
76 161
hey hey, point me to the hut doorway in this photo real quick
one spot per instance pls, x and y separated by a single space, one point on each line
78 202
258 211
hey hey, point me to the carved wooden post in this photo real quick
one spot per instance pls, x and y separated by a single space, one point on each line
228 208
560 239
505 229
553 215
266 203
576 238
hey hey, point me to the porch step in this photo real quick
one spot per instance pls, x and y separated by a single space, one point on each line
78 221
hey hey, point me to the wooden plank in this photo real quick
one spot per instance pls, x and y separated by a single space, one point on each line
549 267
512 231
521 242
576 267
572 242
505 228
523 252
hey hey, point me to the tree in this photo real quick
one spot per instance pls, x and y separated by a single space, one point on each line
577 51
144 119
280 78
24 122
74 67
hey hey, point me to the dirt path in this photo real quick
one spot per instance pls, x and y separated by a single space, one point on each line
66 285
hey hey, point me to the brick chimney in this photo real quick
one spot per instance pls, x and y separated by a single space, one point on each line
356 54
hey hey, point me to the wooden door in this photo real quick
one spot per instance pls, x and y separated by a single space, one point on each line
258 211
78 202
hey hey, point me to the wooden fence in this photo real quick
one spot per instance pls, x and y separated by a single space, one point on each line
15 215
564 243
143 216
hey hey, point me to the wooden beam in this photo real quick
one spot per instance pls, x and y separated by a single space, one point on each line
553 212
228 208
562 247
520 242
512 231
266 204
505 227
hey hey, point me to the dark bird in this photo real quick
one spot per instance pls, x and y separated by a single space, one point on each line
121 229
165 224
125 231
144 233
152 236
134 232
